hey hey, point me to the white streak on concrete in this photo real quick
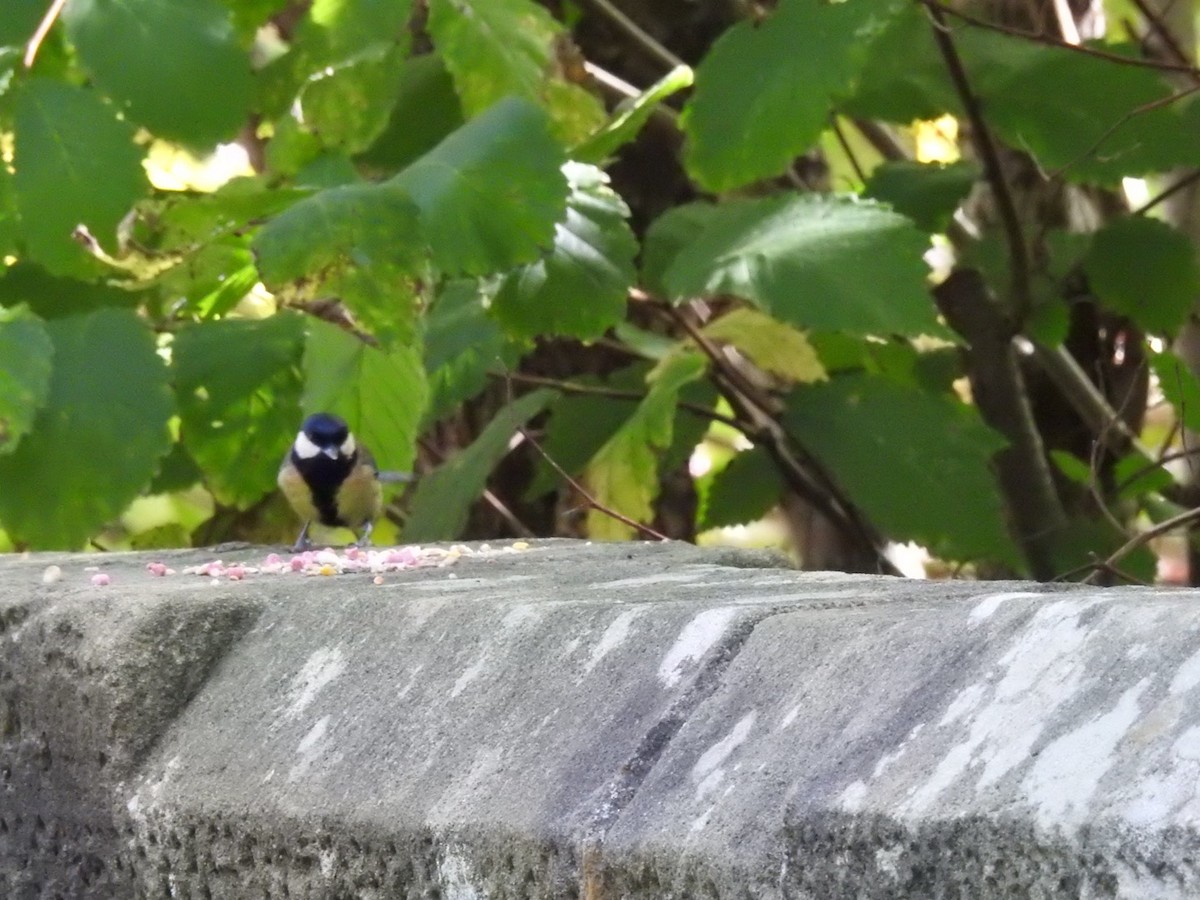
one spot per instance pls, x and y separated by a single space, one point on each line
988 605
1068 771
469 674
614 636
1187 676
310 748
694 641
520 615
646 580
707 772
321 668
458 879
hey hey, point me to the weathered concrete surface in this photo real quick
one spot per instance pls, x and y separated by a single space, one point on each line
620 721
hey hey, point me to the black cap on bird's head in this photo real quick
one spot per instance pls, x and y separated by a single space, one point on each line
324 433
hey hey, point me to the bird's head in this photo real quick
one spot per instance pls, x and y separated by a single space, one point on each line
323 433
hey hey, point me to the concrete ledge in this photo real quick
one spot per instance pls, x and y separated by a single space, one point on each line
576 721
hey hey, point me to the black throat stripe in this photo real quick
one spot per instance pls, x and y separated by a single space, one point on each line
324 476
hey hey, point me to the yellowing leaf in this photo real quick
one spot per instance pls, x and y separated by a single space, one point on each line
778 348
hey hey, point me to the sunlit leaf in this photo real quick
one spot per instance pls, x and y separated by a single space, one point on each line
769 343
744 491
630 116
26 355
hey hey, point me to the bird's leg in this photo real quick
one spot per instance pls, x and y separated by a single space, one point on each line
364 539
302 542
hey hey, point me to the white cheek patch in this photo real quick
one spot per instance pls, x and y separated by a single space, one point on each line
348 446
304 447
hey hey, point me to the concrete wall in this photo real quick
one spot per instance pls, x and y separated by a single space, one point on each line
576 721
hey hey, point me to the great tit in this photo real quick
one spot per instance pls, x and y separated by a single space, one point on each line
330 478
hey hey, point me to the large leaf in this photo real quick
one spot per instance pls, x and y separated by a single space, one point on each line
239 388
443 499
174 66
26 353
671 233
51 297
579 288
896 450
360 243
816 262
348 105
491 193
76 163
623 475
744 491
1179 386
1146 270
764 91
381 394
425 112
8 214
96 442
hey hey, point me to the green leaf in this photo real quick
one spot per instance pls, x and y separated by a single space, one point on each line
380 394
26 355
630 116
493 48
19 21
745 128
770 344
238 386
348 105
813 261
1179 386
744 491
672 232
894 450
928 193
75 163
9 224
443 499
360 243
491 193
92 448
623 475
425 112
1146 270
579 288
174 66
52 298
462 344
338 29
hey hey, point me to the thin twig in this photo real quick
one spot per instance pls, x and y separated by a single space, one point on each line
1169 41
841 138
981 136
639 34
592 501
1047 40
625 90
1139 541
1186 181
44 26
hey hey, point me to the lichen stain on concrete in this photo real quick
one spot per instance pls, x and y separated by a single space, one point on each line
708 771
318 671
697 637
1040 672
614 636
1068 771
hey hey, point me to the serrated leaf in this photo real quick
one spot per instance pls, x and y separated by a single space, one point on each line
770 344
579 288
745 128
462 344
443 499
348 105
490 193
238 386
337 29
815 262
928 193
1146 270
744 491
630 116
75 163
91 450
623 475
26 355
1179 386
360 243
381 394
894 450
493 48
52 298
174 66
673 231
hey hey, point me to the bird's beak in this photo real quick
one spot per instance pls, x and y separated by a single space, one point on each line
332 452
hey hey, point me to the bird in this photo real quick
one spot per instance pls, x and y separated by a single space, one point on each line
330 478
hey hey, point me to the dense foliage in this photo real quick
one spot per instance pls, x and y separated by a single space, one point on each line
443 226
